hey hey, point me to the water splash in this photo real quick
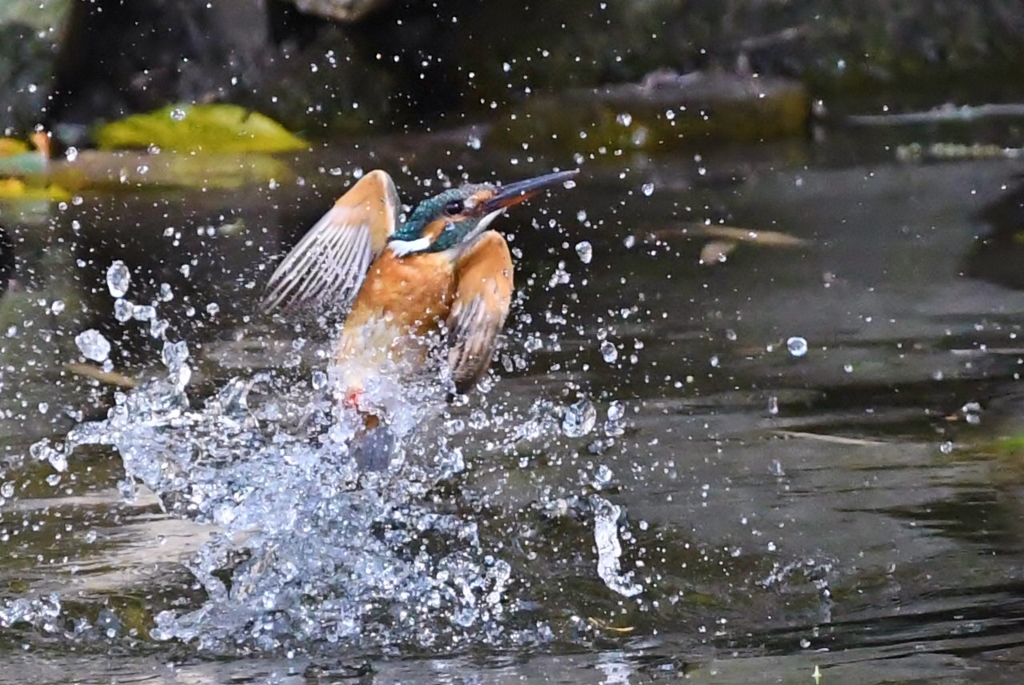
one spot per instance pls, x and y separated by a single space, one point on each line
308 549
305 548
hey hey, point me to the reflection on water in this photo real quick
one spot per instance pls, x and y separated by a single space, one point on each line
735 473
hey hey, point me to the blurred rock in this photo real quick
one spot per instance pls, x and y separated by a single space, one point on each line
118 59
418 65
666 111
997 254
29 31
341 10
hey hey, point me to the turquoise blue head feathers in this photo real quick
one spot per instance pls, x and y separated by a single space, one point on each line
458 215
446 219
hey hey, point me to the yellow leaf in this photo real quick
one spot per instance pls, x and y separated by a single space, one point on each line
716 252
733 234
199 128
604 625
16 189
12 146
746 235
105 377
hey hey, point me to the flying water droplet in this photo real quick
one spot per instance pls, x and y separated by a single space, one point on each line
604 478
174 355
797 346
585 251
648 189
178 114
123 309
93 345
609 549
613 425
579 419
119 278
608 351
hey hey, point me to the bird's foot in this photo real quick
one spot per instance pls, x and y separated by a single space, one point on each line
351 398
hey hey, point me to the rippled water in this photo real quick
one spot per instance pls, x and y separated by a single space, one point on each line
738 472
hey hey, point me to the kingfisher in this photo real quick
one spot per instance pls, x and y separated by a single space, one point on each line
442 280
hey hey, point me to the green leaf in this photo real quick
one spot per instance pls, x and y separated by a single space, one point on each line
199 128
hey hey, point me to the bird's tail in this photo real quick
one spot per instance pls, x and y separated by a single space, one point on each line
373 445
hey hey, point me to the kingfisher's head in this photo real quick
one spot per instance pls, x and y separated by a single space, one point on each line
458 215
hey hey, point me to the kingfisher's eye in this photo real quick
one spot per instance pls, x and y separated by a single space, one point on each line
454 207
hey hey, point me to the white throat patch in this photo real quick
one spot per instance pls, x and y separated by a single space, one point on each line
402 248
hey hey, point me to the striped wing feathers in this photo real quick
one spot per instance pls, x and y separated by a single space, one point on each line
327 267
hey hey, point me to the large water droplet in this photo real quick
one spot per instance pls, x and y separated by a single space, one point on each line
797 346
648 189
178 114
585 251
123 309
119 277
93 345
174 355
613 425
579 419
608 352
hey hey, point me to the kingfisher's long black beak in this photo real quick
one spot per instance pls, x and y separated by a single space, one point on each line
514 193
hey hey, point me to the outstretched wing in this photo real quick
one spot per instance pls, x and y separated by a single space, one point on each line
483 294
330 262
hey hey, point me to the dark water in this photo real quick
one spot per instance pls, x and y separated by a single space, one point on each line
730 511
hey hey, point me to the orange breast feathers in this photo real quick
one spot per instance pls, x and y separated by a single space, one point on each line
402 301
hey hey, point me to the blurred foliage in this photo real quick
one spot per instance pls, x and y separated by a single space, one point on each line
666 112
43 15
126 169
22 171
12 146
16 189
199 129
